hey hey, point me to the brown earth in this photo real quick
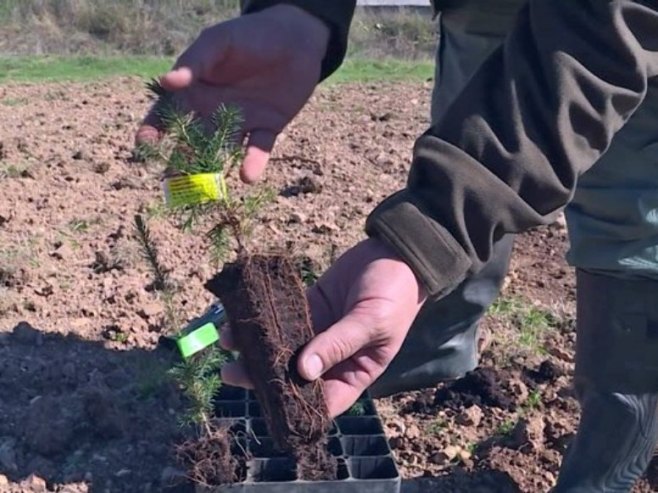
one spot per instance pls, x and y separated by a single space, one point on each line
84 403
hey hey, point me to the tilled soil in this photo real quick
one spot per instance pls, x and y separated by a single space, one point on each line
85 404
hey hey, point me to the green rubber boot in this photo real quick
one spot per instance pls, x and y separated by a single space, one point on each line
617 385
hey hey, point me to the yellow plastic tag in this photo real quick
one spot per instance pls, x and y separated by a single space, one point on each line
192 189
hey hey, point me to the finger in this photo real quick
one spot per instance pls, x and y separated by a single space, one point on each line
147 134
236 375
333 346
226 339
207 51
347 381
259 148
178 79
152 128
340 396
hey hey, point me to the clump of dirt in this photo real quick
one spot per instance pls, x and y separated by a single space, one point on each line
481 387
547 372
266 306
213 458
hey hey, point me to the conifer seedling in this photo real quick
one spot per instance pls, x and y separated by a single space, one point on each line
263 294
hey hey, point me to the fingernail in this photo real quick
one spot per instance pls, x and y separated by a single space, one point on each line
313 367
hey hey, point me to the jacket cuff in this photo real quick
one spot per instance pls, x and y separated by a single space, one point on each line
336 14
436 258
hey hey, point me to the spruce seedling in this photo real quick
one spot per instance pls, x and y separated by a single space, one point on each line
198 157
162 283
198 378
198 162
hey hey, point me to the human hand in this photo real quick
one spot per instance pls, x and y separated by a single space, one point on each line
267 64
362 309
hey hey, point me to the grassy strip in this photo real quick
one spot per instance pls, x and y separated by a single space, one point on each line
85 69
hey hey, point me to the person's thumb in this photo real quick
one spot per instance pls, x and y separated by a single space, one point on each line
333 346
206 53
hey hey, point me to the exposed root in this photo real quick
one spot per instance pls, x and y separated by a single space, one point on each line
214 458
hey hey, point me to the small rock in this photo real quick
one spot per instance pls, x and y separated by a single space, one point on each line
298 218
471 416
3 220
79 155
305 185
519 390
101 168
126 182
464 455
64 252
150 311
381 118
325 228
396 428
549 372
35 483
8 454
103 263
446 455
451 451
439 458
46 290
413 432
3 480
528 434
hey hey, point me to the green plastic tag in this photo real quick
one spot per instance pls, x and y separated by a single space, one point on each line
198 340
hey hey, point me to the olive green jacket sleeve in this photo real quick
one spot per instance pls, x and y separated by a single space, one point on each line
508 153
337 14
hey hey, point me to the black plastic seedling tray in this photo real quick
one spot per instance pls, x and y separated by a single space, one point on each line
366 464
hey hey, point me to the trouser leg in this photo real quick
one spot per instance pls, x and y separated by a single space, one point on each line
617 385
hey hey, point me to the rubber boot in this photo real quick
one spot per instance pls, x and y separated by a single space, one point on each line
617 384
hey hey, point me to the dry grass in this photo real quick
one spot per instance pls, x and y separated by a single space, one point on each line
165 27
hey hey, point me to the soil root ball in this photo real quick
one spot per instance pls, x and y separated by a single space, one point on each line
265 302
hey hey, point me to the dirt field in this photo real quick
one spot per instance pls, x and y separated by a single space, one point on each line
84 401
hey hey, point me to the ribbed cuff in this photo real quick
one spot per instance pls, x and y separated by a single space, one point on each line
336 14
433 254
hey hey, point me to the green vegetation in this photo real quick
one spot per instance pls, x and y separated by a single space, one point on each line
166 27
13 170
534 401
88 69
358 409
530 323
506 427
198 378
85 40
437 427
